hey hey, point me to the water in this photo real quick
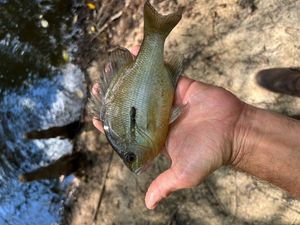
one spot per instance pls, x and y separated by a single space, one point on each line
27 49
39 88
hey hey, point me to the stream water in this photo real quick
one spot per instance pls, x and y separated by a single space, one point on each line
39 88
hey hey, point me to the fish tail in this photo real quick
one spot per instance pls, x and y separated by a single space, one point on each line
157 23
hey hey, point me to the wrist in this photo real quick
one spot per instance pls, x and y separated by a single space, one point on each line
260 132
247 135
267 145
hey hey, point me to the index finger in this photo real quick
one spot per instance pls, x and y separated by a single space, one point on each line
135 50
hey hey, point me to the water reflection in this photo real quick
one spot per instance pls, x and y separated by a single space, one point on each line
39 88
47 103
27 48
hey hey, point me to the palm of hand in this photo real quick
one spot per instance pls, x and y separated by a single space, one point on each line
200 140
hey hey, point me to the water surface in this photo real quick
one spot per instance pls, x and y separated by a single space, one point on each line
39 88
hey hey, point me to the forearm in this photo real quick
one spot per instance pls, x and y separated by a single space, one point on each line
267 145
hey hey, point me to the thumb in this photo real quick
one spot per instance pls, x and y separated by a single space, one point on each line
161 187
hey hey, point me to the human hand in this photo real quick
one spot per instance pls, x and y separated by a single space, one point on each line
201 140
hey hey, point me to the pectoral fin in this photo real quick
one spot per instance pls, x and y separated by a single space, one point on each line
174 65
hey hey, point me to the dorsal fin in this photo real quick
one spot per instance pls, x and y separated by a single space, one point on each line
175 66
118 58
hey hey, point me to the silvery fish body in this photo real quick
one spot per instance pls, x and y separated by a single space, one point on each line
136 95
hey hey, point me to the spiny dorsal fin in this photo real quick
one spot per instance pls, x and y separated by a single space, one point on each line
157 23
118 58
175 66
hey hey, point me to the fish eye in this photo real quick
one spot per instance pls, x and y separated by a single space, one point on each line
130 157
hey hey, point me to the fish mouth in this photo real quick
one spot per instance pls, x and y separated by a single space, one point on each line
137 167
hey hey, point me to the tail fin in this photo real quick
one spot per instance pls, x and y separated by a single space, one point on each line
157 23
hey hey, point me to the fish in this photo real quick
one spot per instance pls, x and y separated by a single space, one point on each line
136 95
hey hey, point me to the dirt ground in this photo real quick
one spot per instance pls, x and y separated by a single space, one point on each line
224 43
